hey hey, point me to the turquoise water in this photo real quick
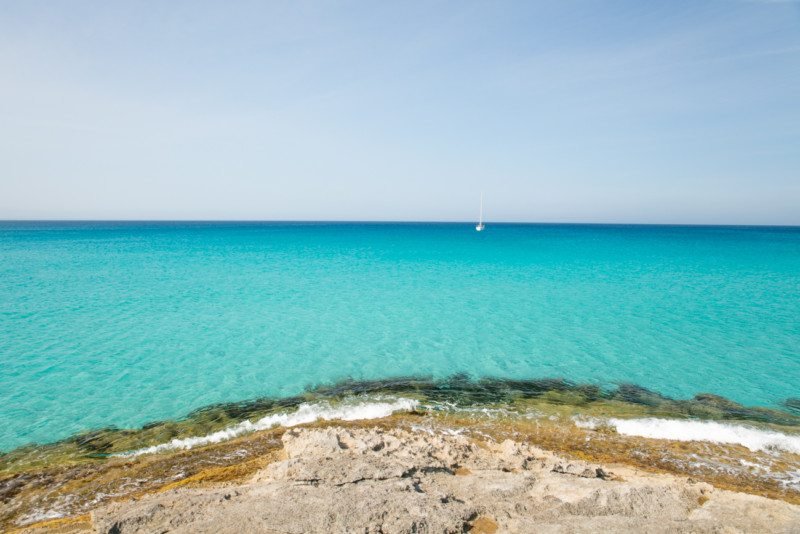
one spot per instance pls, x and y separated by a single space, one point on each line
125 323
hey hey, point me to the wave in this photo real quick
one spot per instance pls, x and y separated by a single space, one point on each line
305 413
752 438
488 396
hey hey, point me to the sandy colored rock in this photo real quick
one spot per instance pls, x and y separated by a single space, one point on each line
373 480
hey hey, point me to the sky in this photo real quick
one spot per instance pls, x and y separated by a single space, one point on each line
559 110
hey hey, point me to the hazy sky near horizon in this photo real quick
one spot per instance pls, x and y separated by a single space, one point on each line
573 110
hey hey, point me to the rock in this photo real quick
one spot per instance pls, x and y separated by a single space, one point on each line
588 473
399 481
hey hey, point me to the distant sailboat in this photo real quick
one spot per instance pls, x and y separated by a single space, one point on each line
480 226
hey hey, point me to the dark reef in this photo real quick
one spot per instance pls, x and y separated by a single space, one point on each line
459 390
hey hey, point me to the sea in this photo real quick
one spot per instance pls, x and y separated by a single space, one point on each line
119 324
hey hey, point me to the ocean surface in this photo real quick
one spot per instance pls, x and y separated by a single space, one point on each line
120 324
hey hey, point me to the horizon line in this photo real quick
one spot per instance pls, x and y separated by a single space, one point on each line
391 221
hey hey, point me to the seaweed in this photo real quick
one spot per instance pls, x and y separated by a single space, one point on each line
792 404
459 390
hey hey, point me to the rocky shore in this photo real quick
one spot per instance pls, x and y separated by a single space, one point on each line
384 479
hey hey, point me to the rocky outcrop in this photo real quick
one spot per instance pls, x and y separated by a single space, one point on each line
375 480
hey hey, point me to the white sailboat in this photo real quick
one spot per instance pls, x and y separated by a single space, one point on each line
480 226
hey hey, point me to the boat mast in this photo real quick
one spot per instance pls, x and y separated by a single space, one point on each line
480 218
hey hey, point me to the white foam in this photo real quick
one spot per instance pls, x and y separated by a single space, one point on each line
37 515
754 439
305 413
590 423
791 480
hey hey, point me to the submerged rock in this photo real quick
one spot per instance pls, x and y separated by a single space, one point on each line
792 404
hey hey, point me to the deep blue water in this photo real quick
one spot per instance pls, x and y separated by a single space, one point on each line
124 323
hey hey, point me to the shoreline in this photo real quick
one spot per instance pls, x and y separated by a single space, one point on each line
458 391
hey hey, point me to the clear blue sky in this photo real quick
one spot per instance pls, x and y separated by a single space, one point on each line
564 110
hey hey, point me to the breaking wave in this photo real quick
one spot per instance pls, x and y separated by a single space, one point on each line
752 438
305 413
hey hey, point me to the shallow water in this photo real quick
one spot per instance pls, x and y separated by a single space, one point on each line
124 323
